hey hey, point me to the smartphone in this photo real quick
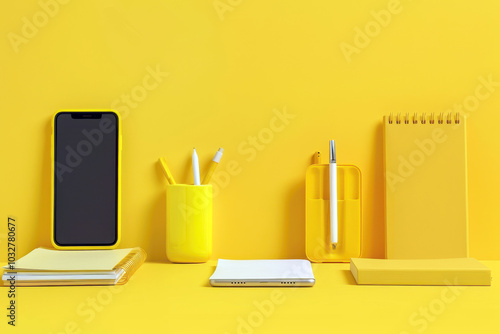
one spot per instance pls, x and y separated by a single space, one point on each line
86 148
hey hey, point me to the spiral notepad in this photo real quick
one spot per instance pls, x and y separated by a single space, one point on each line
425 186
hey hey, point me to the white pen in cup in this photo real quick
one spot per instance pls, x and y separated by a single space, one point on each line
196 168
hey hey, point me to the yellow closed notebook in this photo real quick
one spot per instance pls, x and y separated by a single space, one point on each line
460 271
48 267
425 186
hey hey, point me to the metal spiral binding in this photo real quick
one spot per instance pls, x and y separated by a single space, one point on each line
441 118
131 263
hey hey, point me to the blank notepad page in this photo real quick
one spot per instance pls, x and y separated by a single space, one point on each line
425 186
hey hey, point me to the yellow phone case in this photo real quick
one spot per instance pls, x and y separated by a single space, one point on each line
318 243
52 154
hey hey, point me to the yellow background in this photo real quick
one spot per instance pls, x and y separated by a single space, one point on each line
226 80
227 77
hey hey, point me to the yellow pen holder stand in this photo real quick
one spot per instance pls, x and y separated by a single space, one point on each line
318 243
189 223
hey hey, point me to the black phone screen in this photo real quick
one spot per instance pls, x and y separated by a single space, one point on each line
86 178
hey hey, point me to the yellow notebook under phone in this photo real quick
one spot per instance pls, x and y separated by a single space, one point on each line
45 267
425 186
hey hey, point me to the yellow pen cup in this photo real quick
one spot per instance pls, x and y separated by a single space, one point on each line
189 223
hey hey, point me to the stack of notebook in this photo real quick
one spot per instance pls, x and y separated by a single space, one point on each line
43 267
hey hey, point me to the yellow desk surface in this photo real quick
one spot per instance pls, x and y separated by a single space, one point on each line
173 298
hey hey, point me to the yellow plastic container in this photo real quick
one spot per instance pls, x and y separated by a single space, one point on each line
318 243
189 223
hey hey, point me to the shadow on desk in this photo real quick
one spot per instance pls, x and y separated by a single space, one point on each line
348 279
